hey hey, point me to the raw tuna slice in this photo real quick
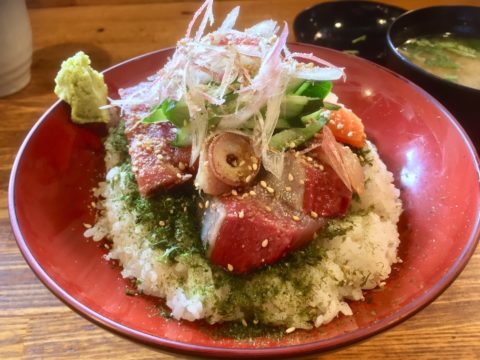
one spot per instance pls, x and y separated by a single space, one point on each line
157 164
324 192
312 187
243 234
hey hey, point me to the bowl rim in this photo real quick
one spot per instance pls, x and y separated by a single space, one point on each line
281 351
393 49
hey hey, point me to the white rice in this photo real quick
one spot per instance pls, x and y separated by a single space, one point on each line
360 258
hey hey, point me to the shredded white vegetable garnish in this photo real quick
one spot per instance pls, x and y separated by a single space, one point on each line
255 65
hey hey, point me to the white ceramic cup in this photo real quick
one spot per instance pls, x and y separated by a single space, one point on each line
15 46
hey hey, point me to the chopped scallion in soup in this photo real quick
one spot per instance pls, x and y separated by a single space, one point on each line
453 58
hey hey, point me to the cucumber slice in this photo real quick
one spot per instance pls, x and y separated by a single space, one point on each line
173 111
183 137
178 114
294 137
282 123
293 85
292 106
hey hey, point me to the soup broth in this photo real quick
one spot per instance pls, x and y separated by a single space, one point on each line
451 57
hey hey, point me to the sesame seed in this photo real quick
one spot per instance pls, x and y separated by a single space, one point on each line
241 214
295 218
253 193
248 178
254 159
350 134
181 165
207 204
230 267
254 167
321 167
263 184
162 223
265 243
302 182
297 154
313 214
234 192
339 126
106 246
290 177
159 156
244 322
255 321
332 122
241 163
270 190
200 205
290 330
288 188
292 145
268 208
88 226
309 159
250 167
179 175
184 209
93 204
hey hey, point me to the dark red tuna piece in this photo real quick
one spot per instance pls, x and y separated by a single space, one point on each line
155 162
310 186
243 234
324 192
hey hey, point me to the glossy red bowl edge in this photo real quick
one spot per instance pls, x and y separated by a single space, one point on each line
283 351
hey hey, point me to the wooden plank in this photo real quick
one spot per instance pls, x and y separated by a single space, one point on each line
62 3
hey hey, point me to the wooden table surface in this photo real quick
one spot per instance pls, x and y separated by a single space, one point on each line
34 323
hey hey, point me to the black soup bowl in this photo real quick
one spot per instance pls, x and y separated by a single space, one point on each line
464 21
358 27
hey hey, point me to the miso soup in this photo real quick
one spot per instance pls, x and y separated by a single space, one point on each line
451 57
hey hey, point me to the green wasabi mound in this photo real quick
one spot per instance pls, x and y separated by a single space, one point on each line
83 88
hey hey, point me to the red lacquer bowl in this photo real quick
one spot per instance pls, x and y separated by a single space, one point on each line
434 164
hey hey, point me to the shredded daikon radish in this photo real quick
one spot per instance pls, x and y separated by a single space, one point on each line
230 20
253 67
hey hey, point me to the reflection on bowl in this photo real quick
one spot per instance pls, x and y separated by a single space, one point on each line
357 27
461 21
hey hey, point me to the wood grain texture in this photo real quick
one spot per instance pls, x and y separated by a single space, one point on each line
33 323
